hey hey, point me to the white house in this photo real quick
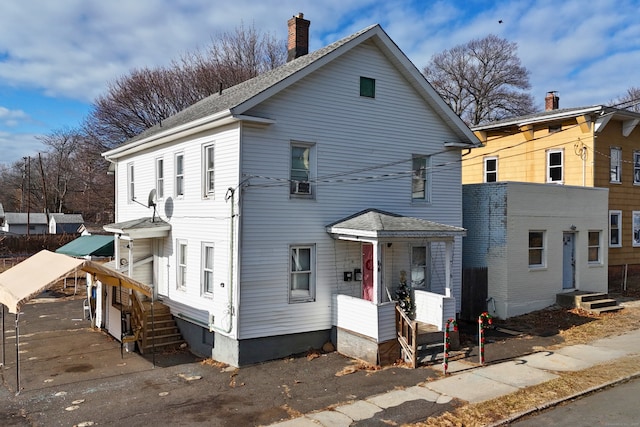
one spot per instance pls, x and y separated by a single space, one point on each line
536 241
283 210
60 223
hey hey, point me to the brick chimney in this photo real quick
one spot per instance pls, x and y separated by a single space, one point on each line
298 40
551 101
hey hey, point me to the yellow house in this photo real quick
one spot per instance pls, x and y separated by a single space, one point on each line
595 146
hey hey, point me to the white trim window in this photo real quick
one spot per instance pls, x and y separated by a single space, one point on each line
615 163
160 178
208 170
179 175
131 186
181 264
594 247
419 270
207 269
636 228
555 166
615 229
490 169
636 167
420 166
302 276
537 251
301 170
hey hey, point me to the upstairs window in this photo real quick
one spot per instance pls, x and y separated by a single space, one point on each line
180 175
131 193
615 229
636 167
160 178
555 166
208 174
420 178
490 169
616 164
367 87
301 169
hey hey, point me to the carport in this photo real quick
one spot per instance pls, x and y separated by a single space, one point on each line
34 275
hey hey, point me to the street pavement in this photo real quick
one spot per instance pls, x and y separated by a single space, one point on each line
475 384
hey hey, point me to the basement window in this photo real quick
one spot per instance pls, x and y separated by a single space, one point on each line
367 87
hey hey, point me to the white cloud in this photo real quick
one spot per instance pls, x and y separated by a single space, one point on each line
15 146
11 118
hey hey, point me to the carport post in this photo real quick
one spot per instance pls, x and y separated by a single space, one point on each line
17 354
4 344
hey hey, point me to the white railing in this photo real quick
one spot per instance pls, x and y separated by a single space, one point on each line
375 321
434 309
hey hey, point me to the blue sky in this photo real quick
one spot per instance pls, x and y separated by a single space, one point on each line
56 57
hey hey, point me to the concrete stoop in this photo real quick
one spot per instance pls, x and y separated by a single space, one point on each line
594 302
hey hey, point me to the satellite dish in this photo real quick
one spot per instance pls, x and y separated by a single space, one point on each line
151 202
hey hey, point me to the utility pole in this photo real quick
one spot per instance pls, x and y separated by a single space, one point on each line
28 195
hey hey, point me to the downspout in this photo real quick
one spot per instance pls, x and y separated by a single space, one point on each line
230 195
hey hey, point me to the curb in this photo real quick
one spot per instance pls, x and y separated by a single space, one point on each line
556 402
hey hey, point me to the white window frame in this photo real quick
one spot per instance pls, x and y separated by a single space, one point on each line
421 174
179 175
636 228
207 271
636 167
310 170
615 165
208 170
131 186
160 178
487 171
181 264
594 245
617 228
550 167
300 295
423 265
541 249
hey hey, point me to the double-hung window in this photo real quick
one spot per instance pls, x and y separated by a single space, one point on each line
490 169
301 171
594 247
179 167
207 268
636 167
536 249
208 175
181 264
420 178
131 193
160 178
419 278
301 273
555 165
615 158
615 229
636 228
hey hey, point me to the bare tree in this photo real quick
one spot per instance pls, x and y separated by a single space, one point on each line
629 101
482 80
145 97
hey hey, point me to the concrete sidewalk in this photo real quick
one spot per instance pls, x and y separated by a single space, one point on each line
472 384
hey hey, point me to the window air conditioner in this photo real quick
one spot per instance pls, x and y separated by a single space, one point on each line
302 187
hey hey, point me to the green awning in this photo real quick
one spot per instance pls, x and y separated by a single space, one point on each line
98 246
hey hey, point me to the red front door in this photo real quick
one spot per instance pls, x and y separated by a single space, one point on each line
367 271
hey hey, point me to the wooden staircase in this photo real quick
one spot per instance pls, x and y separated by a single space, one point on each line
594 302
153 328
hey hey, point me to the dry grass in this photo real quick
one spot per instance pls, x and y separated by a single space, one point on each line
568 383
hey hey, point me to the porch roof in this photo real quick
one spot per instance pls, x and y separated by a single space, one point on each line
140 228
377 224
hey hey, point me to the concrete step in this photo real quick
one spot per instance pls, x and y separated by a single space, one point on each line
593 297
599 303
610 309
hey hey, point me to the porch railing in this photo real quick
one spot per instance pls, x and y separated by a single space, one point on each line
407 330
433 308
371 320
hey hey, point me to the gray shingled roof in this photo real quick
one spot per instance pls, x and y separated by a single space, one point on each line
236 95
14 218
68 218
377 223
